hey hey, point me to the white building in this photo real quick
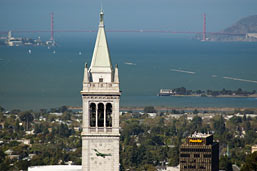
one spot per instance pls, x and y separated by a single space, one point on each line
100 98
254 148
56 168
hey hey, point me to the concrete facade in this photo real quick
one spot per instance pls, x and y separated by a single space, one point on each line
100 98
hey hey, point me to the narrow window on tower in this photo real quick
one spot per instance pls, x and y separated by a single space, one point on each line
92 114
100 115
108 115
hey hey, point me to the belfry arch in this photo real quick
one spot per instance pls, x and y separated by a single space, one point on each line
92 114
100 115
108 115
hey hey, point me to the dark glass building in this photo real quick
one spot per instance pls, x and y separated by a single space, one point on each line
199 153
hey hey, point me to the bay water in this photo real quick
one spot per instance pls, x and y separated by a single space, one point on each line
52 77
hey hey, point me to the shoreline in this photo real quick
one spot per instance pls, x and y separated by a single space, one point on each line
219 96
163 108
168 108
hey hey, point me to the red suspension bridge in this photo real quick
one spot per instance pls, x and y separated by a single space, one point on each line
204 33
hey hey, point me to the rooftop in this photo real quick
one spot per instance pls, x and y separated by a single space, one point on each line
56 168
200 135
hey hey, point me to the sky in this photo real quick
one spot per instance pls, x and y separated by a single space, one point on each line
175 15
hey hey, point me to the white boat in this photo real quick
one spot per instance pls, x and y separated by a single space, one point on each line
29 51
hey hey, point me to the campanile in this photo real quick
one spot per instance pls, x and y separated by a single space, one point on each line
100 102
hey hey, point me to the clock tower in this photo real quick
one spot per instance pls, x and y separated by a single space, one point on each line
100 102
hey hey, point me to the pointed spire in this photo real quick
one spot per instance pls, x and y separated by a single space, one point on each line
101 61
86 80
116 74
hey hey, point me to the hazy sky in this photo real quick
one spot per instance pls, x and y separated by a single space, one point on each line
176 15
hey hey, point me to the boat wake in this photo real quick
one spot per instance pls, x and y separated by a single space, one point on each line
130 63
239 79
184 71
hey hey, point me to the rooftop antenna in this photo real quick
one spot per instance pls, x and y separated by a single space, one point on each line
101 5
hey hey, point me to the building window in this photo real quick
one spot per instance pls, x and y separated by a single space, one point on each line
100 113
92 114
184 155
109 115
202 167
194 150
196 155
101 80
207 155
191 167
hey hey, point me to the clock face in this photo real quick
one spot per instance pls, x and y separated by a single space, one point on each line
101 154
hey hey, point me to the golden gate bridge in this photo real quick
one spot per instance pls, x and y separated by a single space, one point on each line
204 33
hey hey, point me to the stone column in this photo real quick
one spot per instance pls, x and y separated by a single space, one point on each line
104 117
84 123
96 117
116 116
86 116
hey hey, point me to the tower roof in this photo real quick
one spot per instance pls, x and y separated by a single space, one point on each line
101 61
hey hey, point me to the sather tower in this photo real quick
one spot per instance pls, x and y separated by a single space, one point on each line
100 98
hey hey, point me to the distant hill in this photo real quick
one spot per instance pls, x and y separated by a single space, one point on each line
245 25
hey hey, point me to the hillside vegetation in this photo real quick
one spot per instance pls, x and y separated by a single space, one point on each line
244 25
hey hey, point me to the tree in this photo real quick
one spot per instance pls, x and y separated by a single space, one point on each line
250 163
225 164
181 90
149 109
219 124
22 164
239 91
195 111
196 123
2 109
26 117
173 155
4 162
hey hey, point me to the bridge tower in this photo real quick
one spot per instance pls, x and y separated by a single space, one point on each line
52 27
204 27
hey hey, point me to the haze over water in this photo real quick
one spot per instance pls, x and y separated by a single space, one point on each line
146 62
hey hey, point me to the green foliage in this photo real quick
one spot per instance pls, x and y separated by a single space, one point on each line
250 163
225 164
53 142
4 161
144 143
2 109
26 117
149 109
23 164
